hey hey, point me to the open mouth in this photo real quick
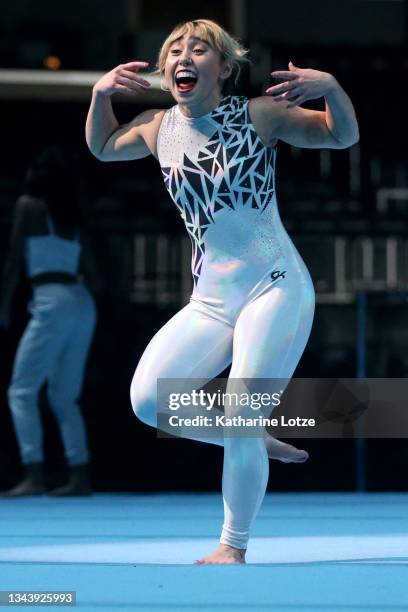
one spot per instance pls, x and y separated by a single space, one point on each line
185 81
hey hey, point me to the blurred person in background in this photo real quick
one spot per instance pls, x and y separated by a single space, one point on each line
253 300
49 243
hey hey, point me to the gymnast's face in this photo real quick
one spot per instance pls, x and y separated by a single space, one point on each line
194 72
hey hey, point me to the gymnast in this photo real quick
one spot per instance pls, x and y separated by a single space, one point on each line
253 299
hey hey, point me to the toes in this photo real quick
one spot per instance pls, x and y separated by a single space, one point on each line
304 456
218 561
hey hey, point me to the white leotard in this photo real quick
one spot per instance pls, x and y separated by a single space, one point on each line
222 179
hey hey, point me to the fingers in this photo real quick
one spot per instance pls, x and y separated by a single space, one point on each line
135 65
285 74
132 91
123 79
128 81
280 98
281 88
291 95
297 102
130 77
286 95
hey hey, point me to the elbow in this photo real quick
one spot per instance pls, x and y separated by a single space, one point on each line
350 142
355 137
354 141
349 139
98 154
96 151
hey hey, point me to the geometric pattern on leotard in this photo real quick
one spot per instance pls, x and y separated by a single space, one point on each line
233 169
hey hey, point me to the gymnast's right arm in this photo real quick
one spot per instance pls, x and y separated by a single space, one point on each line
108 140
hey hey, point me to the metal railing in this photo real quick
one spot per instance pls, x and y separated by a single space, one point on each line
340 266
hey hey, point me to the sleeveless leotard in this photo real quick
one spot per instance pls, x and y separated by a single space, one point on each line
222 179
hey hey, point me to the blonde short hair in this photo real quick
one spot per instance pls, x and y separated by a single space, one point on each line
228 47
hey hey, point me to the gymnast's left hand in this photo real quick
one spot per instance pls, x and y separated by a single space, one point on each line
300 84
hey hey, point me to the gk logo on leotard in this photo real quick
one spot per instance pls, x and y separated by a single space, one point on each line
277 274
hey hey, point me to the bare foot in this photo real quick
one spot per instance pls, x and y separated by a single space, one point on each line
224 554
284 452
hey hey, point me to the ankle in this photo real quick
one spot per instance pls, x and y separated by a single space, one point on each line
227 547
34 471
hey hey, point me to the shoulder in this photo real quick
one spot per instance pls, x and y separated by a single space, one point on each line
149 118
148 123
28 212
28 206
260 106
264 112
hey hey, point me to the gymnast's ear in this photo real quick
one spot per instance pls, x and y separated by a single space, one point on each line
226 70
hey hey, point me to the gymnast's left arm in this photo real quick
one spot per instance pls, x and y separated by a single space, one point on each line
334 128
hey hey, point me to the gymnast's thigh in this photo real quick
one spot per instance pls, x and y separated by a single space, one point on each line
191 344
272 331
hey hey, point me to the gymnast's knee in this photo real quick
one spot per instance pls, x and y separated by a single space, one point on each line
22 397
143 403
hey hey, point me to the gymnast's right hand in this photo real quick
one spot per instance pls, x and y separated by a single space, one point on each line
123 79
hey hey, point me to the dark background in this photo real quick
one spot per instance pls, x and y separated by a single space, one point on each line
328 201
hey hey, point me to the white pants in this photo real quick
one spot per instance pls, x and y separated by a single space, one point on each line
266 340
53 348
